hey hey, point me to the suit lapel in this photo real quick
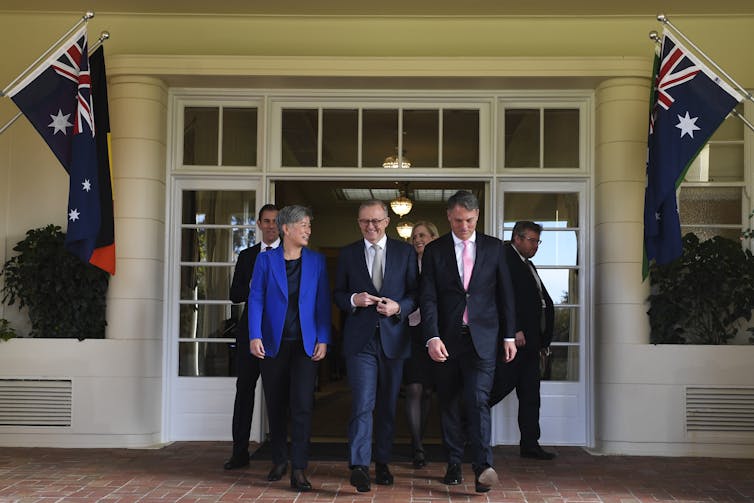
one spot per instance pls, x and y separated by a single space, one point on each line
481 255
391 257
449 252
277 264
308 272
359 259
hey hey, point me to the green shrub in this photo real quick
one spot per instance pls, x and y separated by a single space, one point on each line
65 297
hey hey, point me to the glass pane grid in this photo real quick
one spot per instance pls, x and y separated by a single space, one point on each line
365 137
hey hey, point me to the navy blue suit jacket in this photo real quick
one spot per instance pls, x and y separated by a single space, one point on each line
489 298
268 300
399 283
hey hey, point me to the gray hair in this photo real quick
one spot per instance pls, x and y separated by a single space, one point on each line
292 214
374 202
463 198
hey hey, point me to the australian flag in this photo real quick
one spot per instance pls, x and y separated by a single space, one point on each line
56 98
689 102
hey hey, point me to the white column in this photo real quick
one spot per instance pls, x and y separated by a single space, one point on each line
621 330
138 112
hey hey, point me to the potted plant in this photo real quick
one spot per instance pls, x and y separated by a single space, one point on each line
65 297
704 296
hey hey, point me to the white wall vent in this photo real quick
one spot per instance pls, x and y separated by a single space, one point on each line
720 409
35 402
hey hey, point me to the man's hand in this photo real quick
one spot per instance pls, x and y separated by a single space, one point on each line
437 351
257 348
510 350
388 307
365 299
320 350
520 339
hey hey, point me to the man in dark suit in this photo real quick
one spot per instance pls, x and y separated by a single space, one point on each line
247 367
466 302
376 288
534 327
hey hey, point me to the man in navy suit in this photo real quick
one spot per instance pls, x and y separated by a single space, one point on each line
466 303
376 288
534 327
247 367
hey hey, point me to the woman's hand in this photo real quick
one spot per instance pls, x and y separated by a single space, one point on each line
257 348
320 351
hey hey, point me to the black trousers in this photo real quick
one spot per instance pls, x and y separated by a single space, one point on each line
289 380
522 374
247 367
465 380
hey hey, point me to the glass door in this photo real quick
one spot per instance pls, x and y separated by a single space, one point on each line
561 209
213 221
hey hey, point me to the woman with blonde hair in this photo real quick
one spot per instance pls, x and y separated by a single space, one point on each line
418 372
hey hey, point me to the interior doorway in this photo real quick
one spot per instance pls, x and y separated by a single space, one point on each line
335 206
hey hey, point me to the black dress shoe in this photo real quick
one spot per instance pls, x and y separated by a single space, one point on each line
299 482
419 460
277 472
382 475
236 462
360 478
536 453
453 475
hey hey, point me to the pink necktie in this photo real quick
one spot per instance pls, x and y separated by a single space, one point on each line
468 264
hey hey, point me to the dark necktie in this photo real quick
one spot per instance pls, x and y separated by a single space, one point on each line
267 248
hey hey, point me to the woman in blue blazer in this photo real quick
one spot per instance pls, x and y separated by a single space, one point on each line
289 329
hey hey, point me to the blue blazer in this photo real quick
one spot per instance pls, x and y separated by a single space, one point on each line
401 283
268 300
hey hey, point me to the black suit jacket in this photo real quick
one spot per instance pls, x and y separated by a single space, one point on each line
400 283
239 289
489 298
529 304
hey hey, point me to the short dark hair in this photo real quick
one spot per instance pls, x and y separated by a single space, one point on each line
292 214
526 225
267 207
465 199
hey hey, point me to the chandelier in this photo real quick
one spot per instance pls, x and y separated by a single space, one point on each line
404 229
401 205
395 162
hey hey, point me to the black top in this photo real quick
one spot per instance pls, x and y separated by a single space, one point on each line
292 327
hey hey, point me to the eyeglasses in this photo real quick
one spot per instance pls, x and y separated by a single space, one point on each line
364 222
534 240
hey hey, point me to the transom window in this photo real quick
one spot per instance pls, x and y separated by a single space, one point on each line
222 135
536 137
378 136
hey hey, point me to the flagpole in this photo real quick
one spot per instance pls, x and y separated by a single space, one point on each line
85 18
663 19
101 40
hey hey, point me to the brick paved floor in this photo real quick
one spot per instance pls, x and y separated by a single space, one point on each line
192 472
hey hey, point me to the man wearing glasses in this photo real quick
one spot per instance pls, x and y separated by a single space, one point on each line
376 288
534 328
